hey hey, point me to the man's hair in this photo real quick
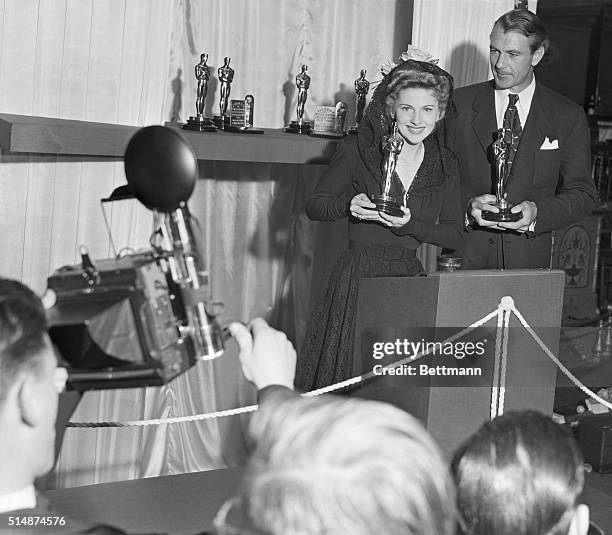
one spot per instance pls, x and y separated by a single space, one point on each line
23 330
337 466
440 85
525 22
519 474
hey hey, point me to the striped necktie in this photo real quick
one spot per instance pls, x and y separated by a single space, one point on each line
512 124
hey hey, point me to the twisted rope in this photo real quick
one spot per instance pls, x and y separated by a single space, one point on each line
503 312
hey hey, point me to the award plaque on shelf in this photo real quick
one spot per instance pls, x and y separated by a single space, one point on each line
329 121
241 116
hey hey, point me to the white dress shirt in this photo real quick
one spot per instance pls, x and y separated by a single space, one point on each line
523 104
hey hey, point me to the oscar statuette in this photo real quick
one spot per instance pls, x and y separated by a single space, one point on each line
301 126
226 76
504 148
362 86
200 123
392 146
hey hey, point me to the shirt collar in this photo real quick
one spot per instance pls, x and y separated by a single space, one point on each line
24 498
523 104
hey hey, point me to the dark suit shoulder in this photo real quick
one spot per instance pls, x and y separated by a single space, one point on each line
466 94
557 100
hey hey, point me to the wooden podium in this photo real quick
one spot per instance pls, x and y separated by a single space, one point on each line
441 305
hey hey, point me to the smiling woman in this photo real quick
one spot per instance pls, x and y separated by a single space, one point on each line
415 97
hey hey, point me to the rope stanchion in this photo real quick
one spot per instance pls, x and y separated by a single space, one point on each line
499 334
325 390
503 313
559 364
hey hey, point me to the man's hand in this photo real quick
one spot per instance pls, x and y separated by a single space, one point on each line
396 221
266 356
364 209
530 213
480 203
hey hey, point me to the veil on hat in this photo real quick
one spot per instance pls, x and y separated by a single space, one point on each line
376 123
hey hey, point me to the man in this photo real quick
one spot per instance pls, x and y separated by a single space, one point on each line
330 464
550 178
520 474
30 382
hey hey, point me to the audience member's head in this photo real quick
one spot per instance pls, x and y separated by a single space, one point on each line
521 474
29 384
335 466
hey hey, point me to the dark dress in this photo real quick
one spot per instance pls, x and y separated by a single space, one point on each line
374 251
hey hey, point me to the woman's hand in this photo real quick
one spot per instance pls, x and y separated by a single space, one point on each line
364 209
396 221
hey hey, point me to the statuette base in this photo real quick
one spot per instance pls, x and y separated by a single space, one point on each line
387 205
299 127
505 215
200 124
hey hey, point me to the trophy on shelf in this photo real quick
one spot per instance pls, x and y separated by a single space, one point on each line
392 146
199 122
504 148
300 126
226 75
242 113
362 86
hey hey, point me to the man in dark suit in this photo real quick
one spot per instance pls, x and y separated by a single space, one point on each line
30 381
550 179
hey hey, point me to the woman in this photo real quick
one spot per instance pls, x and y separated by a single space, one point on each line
416 97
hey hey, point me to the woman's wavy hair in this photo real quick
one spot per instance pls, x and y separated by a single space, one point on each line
377 121
440 84
518 474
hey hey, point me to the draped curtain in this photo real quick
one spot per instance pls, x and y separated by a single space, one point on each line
458 34
132 62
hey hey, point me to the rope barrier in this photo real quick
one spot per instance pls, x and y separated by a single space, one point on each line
503 312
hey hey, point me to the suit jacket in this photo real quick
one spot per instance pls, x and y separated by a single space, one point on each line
558 180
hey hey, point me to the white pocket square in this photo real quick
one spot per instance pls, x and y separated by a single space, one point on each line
550 145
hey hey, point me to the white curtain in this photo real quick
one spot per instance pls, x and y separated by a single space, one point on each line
131 62
457 32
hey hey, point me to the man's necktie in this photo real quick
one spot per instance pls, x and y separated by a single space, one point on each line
512 124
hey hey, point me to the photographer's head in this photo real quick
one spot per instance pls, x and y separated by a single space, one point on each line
333 466
29 384
520 474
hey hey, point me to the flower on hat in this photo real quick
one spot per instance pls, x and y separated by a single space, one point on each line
417 54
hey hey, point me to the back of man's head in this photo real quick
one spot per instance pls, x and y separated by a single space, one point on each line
330 465
23 331
29 385
520 474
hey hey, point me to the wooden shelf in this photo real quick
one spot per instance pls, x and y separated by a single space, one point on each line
45 135
274 145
